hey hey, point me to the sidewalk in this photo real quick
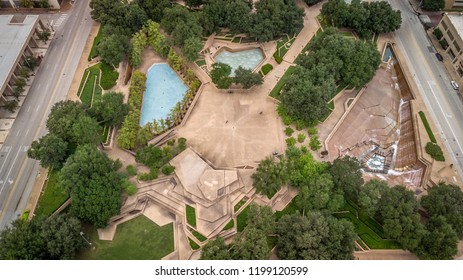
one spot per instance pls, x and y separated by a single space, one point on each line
83 64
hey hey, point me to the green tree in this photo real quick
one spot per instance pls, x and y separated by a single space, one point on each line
62 236
216 249
440 241
139 41
270 176
220 75
446 200
252 243
306 98
247 78
319 194
57 237
315 237
274 18
347 176
192 47
94 185
50 150
370 194
110 109
62 117
20 241
194 3
154 9
86 130
398 212
433 5
113 48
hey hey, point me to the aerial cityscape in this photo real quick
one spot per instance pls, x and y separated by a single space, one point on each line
231 130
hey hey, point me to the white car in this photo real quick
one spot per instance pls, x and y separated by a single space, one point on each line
454 85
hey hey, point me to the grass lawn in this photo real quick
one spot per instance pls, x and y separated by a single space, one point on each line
368 229
427 127
236 40
289 209
266 68
199 236
193 244
200 62
96 41
137 239
275 93
242 219
281 49
191 216
229 225
324 23
239 204
86 88
109 76
52 197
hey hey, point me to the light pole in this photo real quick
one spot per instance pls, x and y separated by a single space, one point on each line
82 234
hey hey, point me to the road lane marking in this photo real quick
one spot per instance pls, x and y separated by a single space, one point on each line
445 117
23 164
9 171
27 132
17 133
28 108
9 150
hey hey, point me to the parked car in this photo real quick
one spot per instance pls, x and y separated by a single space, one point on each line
439 57
454 85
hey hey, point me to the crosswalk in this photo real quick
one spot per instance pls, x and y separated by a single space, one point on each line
59 21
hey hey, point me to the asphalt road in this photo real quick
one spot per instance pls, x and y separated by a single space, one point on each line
52 82
433 81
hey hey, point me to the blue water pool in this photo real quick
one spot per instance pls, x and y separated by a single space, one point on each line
248 59
163 90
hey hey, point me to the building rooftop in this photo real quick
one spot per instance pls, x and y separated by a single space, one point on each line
457 20
15 31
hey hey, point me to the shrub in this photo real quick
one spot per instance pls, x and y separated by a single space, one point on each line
266 68
314 143
289 131
278 58
167 169
130 188
435 151
153 174
10 105
171 142
290 141
131 170
300 137
300 124
438 33
444 44
312 131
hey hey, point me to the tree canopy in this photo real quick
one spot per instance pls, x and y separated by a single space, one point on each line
94 185
247 78
220 75
270 176
315 237
366 18
446 200
433 5
398 212
110 109
50 150
347 176
439 242
55 238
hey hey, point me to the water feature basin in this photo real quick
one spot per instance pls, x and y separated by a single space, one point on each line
248 59
164 89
